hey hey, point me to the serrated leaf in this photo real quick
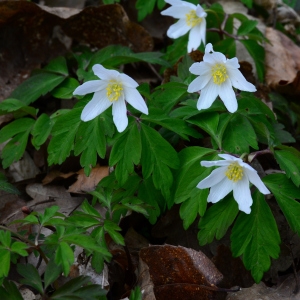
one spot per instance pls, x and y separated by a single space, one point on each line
229 44
195 205
11 291
41 130
31 276
65 89
112 229
36 86
64 257
256 237
126 153
239 135
5 262
89 209
58 65
63 135
158 156
246 27
83 220
289 161
258 54
144 8
19 248
8 187
217 220
285 193
52 272
281 135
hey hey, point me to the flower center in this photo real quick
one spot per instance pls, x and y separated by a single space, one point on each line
114 90
234 172
219 73
192 19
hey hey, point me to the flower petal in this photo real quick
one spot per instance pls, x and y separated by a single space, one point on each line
230 157
119 112
232 63
200 12
214 58
255 180
214 163
214 178
90 87
200 68
177 11
208 95
105 74
198 83
96 106
209 48
134 98
242 195
227 95
178 29
239 82
220 190
194 38
128 81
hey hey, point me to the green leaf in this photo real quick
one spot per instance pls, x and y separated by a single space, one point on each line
31 276
144 8
11 291
19 248
89 209
90 141
217 220
41 130
126 152
229 44
239 135
158 156
152 196
8 187
49 213
256 237
15 127
63 134
5 262
246 27
289 161
248 3
36 86
52 272
258 54
84 221
12 105
136 294
112 229
65 89
5 238
195 205
282 136
65 257
285 193
58 65
190 173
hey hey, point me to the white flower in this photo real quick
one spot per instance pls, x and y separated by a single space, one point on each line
191 17
113 89
235 175
217 76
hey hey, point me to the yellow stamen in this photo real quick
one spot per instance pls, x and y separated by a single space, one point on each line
114 90
192 19
219 73
234 172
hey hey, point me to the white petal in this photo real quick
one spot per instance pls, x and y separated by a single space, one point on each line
232 63
214 163
134 98
200 68
209 48
239 82
178 29
203 30
220 190
208 95
119 112
128 81
242 195
214 178
90 87
96 106
227 95
255 180
230 157
214 58
105 74
200 12
194 38
198 83
177 12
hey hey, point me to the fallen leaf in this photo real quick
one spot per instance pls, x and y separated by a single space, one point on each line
181 273
282 63
87 184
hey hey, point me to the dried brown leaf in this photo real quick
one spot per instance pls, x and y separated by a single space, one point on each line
282 63
180 273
